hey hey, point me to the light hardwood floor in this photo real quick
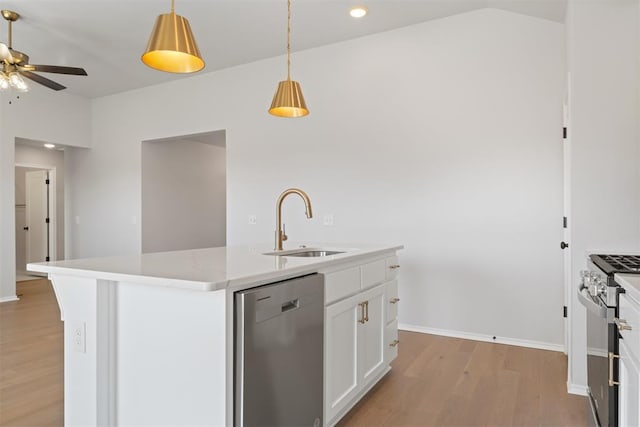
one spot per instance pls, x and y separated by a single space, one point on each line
31 358
435 381
440 381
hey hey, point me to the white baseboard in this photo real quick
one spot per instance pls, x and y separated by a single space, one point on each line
9 299
578 389
481 337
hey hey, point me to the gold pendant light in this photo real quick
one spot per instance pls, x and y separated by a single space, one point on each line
288 100
172 47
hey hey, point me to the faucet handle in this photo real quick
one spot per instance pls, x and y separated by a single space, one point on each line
284 233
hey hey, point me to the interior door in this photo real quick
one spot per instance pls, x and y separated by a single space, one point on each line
36 197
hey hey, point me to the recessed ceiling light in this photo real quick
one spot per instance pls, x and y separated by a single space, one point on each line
49 146
358 11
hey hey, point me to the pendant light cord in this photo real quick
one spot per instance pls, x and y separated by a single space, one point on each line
288 39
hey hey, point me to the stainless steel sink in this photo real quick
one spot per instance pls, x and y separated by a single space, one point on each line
314 253
307 253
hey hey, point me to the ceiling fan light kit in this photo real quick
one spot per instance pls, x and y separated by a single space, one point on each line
172 46
15 65
17 82
288 100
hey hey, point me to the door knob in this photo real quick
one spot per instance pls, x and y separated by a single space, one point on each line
25 228
564 245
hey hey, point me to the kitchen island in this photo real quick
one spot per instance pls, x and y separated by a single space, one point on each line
149 339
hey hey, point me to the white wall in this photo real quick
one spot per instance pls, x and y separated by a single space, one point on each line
42 115
183 195
603 48
28 155
442 136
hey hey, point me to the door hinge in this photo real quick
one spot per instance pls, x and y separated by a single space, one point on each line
564 132
564 311
564 222
47 259
46 220
46 181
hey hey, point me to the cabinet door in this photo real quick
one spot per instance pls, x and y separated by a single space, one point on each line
341 354
391 342
371 335
629 389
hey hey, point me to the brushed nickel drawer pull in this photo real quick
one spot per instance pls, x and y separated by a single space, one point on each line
366 311
394 300
394 266
622 325
394 343
611 357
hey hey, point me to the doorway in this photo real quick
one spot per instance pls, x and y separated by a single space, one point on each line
39 205
35 218
184 199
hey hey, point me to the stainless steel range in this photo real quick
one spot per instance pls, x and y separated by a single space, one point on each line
599 293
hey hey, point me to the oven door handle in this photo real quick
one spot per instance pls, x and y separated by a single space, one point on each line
585 299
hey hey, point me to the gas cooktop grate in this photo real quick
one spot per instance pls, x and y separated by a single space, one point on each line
623 263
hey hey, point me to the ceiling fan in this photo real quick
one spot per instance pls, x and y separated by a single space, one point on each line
15 64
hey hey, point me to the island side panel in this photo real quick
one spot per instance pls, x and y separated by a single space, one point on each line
171 356
78 300
145 355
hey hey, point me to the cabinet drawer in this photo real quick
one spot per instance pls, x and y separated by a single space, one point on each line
392 267
391 300
373 273
341 283
630 312
391 341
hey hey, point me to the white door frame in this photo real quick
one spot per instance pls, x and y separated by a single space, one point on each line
566 231
568 297
53 220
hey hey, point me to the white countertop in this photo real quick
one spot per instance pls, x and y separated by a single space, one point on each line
630 283
206 269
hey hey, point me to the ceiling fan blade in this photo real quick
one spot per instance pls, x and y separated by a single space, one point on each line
75 71
5 54
42 80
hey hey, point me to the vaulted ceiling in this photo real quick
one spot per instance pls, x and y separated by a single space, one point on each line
107 37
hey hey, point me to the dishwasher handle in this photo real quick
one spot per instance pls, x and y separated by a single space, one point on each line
290 305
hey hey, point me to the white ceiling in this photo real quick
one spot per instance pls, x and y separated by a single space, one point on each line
107 37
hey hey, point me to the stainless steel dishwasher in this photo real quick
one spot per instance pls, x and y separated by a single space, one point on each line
279 330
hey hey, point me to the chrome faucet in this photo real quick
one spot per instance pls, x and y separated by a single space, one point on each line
281 236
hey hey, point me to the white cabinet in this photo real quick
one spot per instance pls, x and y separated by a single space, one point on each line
391 332
629 363
341 354
371 335
629 389
361 331
354 347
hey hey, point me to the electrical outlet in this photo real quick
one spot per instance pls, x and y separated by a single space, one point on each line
78 335
328 220
253 219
